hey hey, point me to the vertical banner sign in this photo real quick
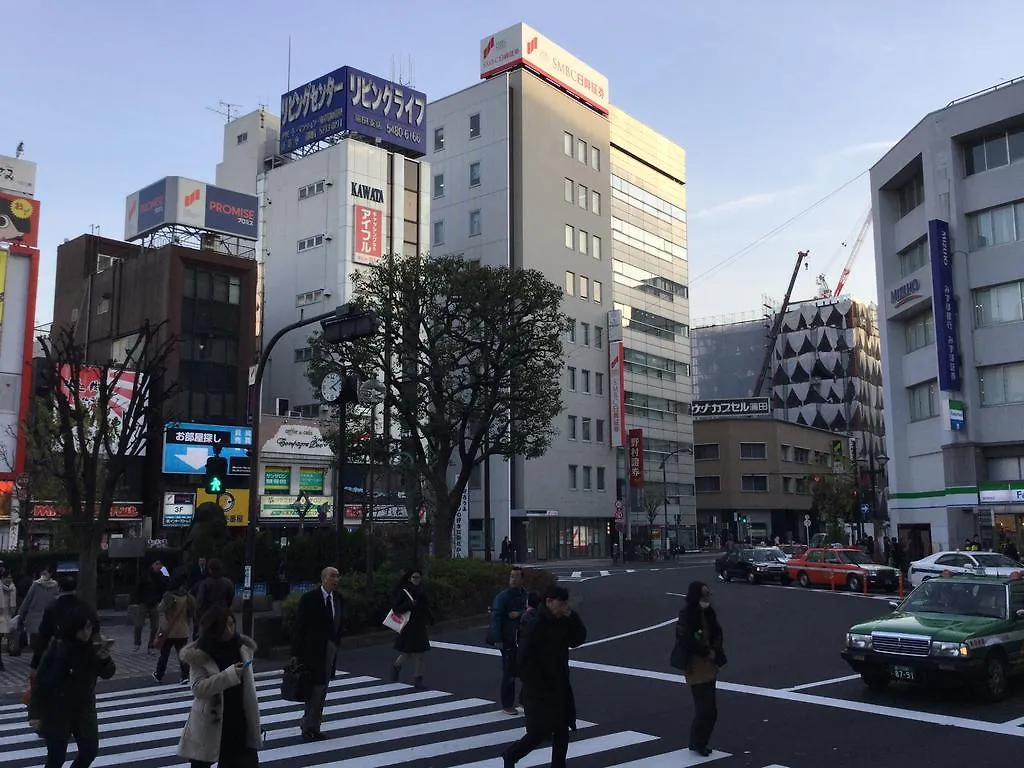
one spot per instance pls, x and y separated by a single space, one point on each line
636 458
616 394
944 306
3 280
368 225
460 528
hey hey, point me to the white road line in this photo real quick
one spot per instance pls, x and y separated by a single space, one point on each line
681 758
629 634
1016 722
819 683
576 749
606 573
984 726
576 575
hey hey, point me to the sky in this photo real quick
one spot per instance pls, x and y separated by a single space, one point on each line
778 105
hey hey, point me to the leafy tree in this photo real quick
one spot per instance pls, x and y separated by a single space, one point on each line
833 495
471 360
92 421
654 508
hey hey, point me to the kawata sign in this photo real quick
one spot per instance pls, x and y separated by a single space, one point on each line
187 446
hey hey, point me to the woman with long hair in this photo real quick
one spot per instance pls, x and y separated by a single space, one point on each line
413 640
699 651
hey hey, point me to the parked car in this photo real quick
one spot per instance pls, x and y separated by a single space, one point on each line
753 565
793 550
834 567
991 563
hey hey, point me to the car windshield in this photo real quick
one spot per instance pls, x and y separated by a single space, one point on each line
995 560
768 555
857 558
958 597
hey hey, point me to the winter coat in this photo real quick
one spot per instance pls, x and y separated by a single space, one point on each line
64 693
214 590
8 609
50 626
504 629
200 740
543 661
413 639
151 589
40 595
699 648
313 630
170 608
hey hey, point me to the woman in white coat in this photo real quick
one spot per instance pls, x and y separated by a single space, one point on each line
224 724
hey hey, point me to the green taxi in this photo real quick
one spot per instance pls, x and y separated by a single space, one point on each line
965 626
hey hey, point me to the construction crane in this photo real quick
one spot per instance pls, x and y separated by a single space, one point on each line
773 334
824 291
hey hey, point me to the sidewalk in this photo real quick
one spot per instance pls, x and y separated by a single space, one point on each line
605 563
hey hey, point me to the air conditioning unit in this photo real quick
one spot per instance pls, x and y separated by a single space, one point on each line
281 406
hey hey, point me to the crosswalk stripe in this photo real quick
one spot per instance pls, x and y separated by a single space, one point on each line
606 573
576 749
680 758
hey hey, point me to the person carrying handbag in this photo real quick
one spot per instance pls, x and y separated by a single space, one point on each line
8 603
177 609
412 640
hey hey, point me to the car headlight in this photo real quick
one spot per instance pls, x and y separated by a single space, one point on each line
949 650
854 640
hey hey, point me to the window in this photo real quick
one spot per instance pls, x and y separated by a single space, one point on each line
474 223
598 330
595 247
309 297
910 195
587 484
597 294
785 452
996 225
1001 384
581 196
600 479
584 288
303 354
474 126
994 151
639 198
439 139
754 483
595 158
570 283
913 257
923 401
309 243
595 203
753 451
998 304
437 236
585 434
242 137
572 331
919 331
707 484
567 144
102 306
234 290
572 477
599 383
802 455
104 262
568 190
438 185
705 452
648 242
572 428
581 151
311 190
599 429
570 236
586 334
584 238
474 174
585 381
571 370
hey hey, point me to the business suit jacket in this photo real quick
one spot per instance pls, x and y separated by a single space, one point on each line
316 635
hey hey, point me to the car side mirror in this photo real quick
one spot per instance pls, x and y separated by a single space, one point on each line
895 605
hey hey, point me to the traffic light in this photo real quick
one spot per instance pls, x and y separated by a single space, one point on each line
216 473
837 451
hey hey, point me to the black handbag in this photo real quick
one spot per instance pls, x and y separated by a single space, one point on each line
678 658
295 684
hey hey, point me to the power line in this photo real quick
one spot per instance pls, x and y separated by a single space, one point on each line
750 246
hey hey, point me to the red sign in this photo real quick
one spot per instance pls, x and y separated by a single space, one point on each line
636 458
46 510
19 220
368 225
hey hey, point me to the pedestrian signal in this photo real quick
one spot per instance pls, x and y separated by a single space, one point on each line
216 473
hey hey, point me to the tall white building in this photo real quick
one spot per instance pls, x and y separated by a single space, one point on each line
948 204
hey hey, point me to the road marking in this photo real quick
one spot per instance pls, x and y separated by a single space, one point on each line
820 683
606 573
629 634
576 575
1016 723
681 758
630 570
984 726
576 749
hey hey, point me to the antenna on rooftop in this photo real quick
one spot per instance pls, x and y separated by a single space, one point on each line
226 110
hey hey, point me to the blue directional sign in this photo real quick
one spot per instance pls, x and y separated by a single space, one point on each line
187 446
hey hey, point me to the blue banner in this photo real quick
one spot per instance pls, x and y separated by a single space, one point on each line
187 446
947 341
152 206
232 213
313 112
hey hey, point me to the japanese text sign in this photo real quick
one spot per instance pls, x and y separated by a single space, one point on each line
944 306
636 458
368 226
744 406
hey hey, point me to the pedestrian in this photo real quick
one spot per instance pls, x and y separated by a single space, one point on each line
54 616
506 551
699 652
506 615
315 638
177 609
196 573
215 589
412 641
148 594
223 724
8 610
545 638
38 598
63 701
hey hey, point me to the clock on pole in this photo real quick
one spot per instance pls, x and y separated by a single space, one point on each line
331 386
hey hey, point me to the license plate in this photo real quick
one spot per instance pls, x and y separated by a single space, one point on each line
902 673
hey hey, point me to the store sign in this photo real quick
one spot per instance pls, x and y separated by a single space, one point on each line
1001 493
956 415
179 510
366 192
48 510
636 458
944 306
353 514
300 439
17 175
368 235
284 510
742 406
616 394
907 292
234 502
188 445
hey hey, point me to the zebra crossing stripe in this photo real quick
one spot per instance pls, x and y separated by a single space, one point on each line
576 749
680 758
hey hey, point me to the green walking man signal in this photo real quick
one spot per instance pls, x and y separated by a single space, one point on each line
216 473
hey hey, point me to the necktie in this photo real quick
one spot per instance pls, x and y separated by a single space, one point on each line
330 605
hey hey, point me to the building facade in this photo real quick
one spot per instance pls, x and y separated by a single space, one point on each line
948 203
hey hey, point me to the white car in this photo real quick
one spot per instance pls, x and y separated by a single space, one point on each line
990 563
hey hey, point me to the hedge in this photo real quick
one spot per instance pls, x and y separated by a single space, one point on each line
457 589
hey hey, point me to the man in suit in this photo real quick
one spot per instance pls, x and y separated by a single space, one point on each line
318 624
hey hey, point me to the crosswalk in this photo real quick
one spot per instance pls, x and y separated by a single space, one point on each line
368 723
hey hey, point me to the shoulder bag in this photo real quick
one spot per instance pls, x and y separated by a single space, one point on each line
397 621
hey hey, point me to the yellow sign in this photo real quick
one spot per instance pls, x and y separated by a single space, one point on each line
234 502
3 280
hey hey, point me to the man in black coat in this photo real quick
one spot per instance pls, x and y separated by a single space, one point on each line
315 639
545 637
55 615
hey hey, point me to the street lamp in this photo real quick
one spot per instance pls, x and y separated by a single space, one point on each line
664 484
881 460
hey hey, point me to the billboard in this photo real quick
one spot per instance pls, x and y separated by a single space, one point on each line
737 406
523 45
636 458
368 229
177 200
19 220
616 394
121 389
944 306
349 99
187 446
234 502
17 175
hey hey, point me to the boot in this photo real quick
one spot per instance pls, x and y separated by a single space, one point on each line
396 670
417 682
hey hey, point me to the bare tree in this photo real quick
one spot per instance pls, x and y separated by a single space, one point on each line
91 422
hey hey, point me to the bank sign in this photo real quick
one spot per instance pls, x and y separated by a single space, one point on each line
349 99
907 292
947 335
